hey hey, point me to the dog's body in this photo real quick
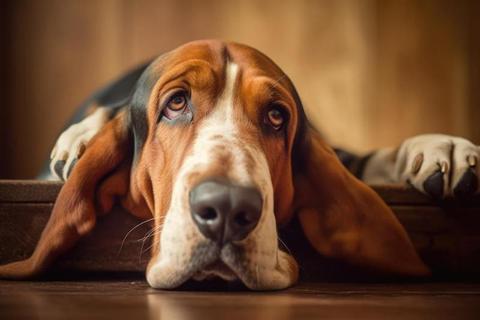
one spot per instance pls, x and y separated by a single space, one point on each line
210 141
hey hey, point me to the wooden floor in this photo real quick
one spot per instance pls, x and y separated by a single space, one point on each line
133 299
447 237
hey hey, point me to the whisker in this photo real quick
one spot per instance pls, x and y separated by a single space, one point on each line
130 231
149 247
148 235
151 233
285 245
143 244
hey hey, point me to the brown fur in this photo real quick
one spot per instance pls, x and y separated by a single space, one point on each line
340 215
344 218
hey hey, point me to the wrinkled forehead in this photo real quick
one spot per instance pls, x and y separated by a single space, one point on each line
203 57
216 55
253 63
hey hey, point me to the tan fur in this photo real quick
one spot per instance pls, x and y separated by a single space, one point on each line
341 216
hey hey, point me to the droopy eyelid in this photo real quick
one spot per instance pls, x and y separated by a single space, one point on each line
183 117
166 97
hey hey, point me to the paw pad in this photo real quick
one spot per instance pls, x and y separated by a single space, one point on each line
434 185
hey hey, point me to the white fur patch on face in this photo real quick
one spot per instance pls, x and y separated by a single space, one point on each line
184 252
419 157
72 142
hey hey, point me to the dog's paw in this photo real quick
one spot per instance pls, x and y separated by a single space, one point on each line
72 143
439 165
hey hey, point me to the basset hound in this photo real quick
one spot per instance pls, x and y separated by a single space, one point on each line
211 143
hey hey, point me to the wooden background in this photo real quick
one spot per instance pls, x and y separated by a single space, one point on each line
370 72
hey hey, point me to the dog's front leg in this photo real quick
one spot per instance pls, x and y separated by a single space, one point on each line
88 192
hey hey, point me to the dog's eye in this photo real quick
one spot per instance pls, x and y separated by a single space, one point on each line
177 102
275 117
176 105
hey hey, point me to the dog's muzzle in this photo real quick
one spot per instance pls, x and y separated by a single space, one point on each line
224 212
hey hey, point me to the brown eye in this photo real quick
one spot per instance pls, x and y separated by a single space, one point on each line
276 118
177 102
176 105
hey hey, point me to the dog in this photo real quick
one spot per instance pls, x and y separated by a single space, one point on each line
210 142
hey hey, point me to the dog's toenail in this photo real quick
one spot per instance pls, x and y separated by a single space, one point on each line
434 185
72 165
444 167
81 150
467 185
417 163
472 160
58 168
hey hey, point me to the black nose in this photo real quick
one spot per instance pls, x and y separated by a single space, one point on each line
224 212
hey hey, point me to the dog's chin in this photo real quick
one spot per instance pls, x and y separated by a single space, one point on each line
205 264
217 269
230 263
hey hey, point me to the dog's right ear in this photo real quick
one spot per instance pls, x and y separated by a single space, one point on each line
100 175
344 218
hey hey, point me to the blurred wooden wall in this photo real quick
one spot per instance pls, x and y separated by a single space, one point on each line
370 72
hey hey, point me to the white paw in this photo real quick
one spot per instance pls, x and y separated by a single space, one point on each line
439 165
72 142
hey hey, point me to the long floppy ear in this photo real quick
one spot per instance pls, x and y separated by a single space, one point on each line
344 218
101 174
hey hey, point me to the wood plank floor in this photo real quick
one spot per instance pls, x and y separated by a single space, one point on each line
133 299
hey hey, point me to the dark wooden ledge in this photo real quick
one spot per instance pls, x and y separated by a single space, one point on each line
447 234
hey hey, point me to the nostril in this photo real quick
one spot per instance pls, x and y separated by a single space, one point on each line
208 213
242 219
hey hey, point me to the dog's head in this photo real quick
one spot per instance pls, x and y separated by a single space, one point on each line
223 155
214 128
215 145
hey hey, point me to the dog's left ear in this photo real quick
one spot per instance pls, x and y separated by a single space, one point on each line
101 174
344 218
